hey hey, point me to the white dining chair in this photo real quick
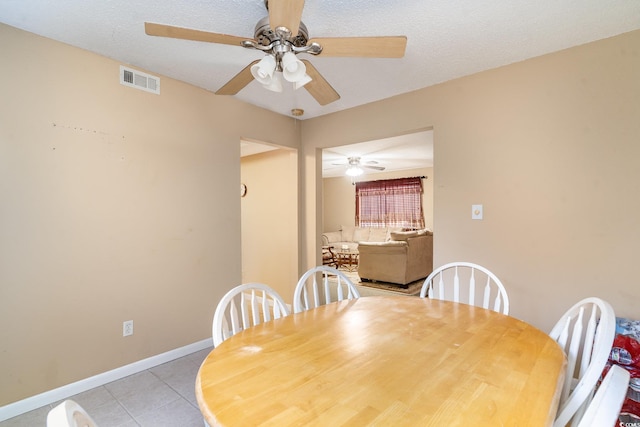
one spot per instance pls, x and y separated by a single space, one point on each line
244 306
69 414
468 283
322 285
585 333
604 408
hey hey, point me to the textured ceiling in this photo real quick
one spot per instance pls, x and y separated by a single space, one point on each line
446 39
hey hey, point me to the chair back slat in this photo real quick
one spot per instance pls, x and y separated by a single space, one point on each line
445 283
487 295
585 360
472 287
456 286
497 303
326 289
334 286
265 308
316 293
305 297
339 290
563 341
235 318
245 306
277 312
350 294
589 337
255 312
440 286
573 351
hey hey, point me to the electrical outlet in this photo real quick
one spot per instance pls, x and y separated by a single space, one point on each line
127 328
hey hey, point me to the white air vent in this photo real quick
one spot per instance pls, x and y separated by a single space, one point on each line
139 80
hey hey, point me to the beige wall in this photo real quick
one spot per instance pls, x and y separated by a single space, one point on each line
550 147
269 220
116 204
338 197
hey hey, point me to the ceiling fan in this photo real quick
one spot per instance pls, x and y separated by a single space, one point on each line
355 166
281 36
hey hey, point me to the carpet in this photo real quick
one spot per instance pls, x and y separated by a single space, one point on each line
412 288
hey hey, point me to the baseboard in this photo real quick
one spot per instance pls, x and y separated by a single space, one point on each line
34 402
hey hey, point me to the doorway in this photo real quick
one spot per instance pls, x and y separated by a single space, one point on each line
269 216
388 158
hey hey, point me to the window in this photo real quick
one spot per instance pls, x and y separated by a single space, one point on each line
390 203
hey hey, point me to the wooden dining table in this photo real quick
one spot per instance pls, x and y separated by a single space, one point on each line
387 361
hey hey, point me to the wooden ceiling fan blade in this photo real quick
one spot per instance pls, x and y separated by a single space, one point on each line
285 13
238 82
363 47
162 30
318 87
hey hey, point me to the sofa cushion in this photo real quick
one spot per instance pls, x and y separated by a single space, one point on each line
361 234
383 245
378 235
347 233
402 235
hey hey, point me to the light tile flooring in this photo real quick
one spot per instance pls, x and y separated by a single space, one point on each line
163 396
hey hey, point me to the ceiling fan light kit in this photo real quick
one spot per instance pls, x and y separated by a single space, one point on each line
354 171
355 167
271 67
281 36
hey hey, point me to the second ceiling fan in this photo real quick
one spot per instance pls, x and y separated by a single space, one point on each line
355 166
281 36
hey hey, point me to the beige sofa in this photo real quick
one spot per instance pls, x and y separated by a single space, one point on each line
350 236
407 257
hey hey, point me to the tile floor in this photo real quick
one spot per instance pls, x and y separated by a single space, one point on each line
163 396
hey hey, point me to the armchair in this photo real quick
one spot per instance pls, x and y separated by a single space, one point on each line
405 259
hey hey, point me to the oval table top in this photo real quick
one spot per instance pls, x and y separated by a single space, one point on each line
384 361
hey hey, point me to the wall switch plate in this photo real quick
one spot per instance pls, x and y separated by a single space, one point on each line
476 211
127 328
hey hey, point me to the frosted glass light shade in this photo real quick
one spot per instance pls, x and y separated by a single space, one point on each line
292 68
275 84
263 70
303 81
354 171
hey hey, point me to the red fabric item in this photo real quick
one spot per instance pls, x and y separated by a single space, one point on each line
625 351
